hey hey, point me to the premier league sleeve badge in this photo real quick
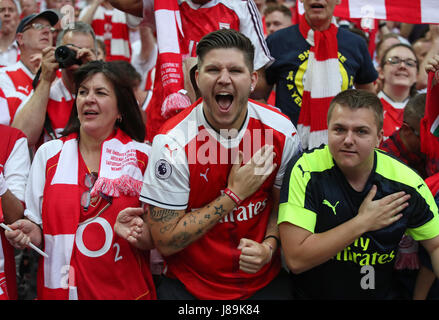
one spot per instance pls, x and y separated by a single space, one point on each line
163 169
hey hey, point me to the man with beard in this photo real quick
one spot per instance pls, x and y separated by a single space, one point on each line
213 185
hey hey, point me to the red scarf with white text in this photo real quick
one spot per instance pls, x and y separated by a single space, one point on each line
118 171
170 57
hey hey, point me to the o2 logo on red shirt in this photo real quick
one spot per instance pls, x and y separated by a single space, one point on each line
163 169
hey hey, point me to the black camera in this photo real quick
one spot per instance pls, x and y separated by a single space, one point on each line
66 57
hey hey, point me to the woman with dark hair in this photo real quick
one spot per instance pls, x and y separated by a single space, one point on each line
76 188
398 72
130 120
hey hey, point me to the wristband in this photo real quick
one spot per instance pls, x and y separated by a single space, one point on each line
233 196
271 249
274 237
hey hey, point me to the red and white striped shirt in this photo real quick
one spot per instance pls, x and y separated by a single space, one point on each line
16 83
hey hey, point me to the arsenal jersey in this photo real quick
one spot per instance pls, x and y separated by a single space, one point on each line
189 166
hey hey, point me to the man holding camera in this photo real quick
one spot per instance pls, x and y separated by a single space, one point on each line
46 111
33 34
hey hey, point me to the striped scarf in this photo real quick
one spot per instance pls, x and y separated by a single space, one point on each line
119 48
322 81
119 172
169 60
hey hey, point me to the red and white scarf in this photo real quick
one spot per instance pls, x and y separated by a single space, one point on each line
120 48
322 81
407 11
170 57
120 174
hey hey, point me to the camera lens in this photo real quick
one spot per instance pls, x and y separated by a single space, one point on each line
62 53
66 57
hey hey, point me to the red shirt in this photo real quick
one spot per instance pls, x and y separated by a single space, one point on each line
189 167
84 251
8 283
393 114
98 249
395 147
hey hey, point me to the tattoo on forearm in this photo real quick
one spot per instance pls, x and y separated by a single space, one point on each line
180 240
162 215
184 228
166 228
192 218
219 210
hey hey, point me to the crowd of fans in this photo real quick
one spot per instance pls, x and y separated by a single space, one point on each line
143 66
